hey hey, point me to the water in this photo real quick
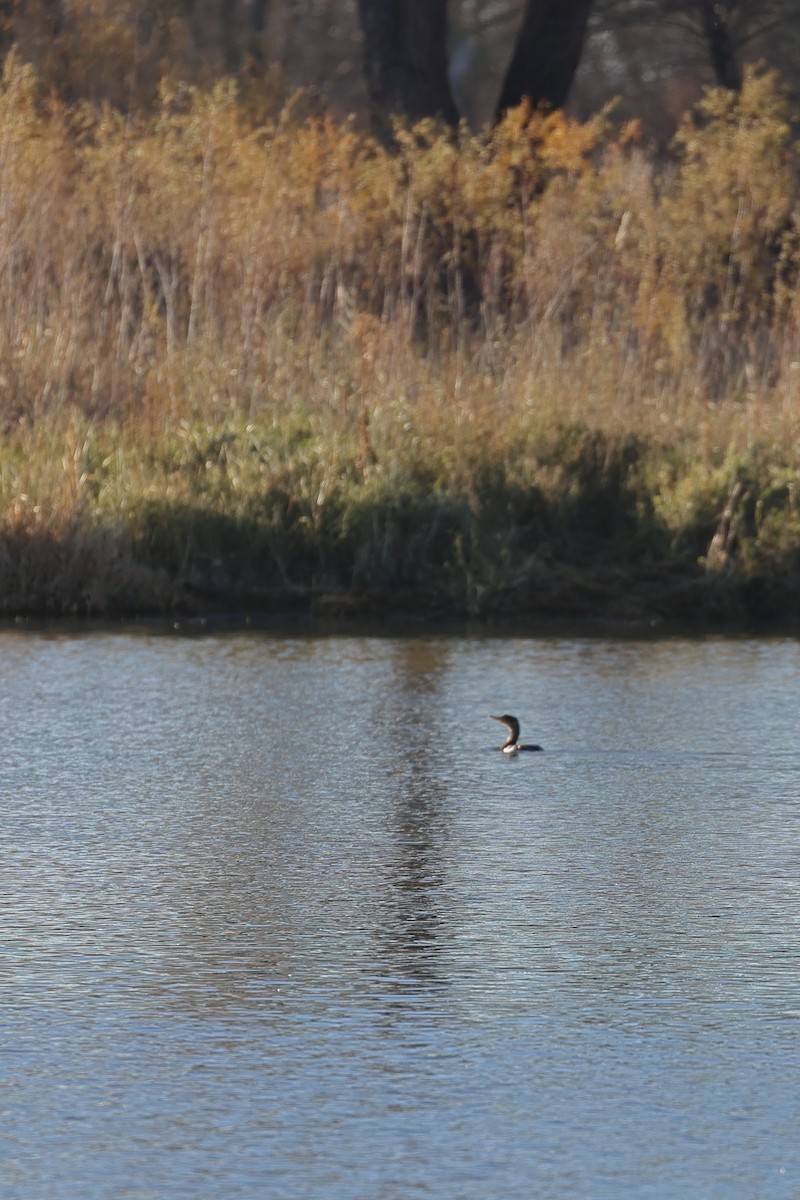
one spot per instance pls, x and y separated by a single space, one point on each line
275 920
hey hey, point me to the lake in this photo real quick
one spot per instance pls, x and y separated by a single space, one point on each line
278 920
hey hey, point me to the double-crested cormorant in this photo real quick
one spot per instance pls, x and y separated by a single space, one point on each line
511 744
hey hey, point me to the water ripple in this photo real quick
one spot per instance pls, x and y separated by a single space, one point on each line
275 920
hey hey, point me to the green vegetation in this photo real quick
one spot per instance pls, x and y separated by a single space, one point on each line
251 365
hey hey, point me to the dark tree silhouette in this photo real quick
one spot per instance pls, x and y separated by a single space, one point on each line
723 33
405 59
7 8
243 28
547 53
720 38
405 56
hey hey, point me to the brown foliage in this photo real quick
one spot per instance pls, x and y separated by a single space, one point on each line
283 324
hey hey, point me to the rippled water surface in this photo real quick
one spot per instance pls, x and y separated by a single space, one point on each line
277 921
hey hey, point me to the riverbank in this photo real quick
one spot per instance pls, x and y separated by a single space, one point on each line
275 368
252 517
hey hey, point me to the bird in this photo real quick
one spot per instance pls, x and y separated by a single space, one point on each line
511 745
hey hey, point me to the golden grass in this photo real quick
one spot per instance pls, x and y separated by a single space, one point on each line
259 365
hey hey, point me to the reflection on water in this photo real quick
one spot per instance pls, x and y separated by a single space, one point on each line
277 921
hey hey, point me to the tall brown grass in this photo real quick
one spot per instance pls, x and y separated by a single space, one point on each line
258 364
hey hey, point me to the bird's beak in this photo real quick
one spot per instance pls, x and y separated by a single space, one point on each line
492 717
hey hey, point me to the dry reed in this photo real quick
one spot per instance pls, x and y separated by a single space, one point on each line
260 365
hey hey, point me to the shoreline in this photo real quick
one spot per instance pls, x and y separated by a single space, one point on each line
291 622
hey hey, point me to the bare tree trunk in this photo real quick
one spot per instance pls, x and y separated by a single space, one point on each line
258 17
258 23
546 55
7 11
231 47
721 46
405 49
